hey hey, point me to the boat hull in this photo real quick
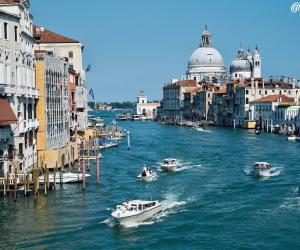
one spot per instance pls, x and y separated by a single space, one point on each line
168 167
138 218
146 178
261 173
67 178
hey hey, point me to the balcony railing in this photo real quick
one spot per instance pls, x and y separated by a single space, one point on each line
9 89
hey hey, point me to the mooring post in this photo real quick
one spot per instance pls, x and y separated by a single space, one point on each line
15 185
54 177
83 175
25 183
128 140
4 184
45 179
97 168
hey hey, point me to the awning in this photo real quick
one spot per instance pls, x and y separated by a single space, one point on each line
7 115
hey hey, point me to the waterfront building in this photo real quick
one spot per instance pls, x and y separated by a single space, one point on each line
275 110
246 65
173 98
248 90
206 62
65 47
18 93
146 108
52 110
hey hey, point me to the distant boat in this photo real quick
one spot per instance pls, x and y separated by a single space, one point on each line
169 164
262 169
293 138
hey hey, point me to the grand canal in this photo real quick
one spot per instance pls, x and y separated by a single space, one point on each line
211 202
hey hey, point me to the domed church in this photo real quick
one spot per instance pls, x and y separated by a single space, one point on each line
246 65
206 63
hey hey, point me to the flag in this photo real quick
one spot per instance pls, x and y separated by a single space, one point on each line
88 68
91 93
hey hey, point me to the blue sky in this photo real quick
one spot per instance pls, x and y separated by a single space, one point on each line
138 44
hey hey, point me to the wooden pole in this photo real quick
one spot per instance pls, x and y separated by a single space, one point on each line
15 185
88 156
128 140
25 183
4 184
28 182
55 171
78 162
7 182
97 168
83 175
45 179
47 175
34 182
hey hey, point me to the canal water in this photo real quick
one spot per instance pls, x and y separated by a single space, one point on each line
210 202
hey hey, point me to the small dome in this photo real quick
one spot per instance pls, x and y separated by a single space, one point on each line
205 56
240 65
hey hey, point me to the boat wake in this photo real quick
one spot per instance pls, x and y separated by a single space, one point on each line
292 202
181 166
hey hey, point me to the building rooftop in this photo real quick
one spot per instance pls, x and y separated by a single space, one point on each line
43 35
276 98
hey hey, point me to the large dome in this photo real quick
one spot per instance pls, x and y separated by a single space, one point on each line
239 65
205 56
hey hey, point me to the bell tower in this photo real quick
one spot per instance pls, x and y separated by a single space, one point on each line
206 38
256 63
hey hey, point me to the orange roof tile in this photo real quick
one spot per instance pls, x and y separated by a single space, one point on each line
43 35
275 98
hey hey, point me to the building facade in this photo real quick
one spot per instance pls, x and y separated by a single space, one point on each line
146 108
18 91
72 50
52 110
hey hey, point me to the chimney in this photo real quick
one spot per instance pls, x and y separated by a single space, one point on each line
42 28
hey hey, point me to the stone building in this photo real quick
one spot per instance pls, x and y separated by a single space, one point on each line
65 47
18 92
146 108
52 110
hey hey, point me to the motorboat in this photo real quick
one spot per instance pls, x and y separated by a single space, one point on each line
169 164
136 118
136 211
146 174
110 144
293 138
66 177
262 169
124 117
197 128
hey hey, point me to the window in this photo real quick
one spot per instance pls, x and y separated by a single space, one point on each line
247 92
266 92
70 54
247 100
5 31
16 33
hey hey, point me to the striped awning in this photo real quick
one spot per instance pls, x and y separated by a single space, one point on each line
7 115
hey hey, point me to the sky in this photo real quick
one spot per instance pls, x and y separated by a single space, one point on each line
136 45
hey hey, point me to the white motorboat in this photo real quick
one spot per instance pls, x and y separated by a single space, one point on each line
169 164
146 174
66 177
136 211
293 138
262 169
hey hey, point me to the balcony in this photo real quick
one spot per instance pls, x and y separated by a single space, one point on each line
8 89
5 134
28 125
